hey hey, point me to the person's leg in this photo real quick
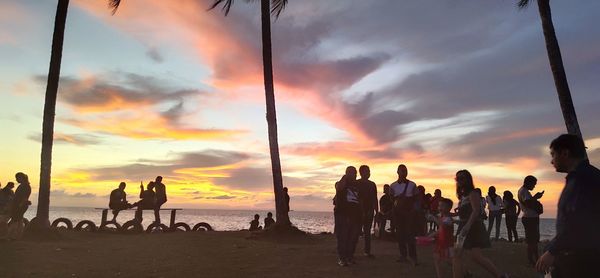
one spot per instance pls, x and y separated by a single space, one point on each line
366 228
341 235
498 222
382 224
476 255
356 227
436 264
508 230
410 237
457 265
490 223
401 234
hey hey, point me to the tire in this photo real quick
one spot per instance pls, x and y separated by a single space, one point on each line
181 227
104 227
86 225
202 227
151 227
66 221
132 227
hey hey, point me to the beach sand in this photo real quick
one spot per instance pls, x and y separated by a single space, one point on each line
221 254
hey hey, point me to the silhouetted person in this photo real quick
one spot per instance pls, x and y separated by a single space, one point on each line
495 207
404 192
18 206
347 215
472 234
368 196
386 204
118 200
434 206
269 221
287 199
255 224
575 250
148 200
482 202
161 197
6 195
421 206
511 212
531 217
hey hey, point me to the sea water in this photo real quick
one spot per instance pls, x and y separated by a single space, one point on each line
233 220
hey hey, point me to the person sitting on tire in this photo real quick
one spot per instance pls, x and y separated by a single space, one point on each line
118 201
148 200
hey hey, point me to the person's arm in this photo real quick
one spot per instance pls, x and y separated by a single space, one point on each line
475 212
518 208
375 203
141 190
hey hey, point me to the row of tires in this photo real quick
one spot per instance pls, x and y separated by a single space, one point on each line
131 226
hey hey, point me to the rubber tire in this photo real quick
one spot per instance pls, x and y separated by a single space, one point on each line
202 227
186 227
89 226
66 221
132 226
102 228
163 227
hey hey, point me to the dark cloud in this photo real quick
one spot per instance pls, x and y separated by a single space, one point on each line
252 179
155 55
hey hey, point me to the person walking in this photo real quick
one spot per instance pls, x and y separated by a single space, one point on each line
575 249
495 208
368 195
404 192
532 209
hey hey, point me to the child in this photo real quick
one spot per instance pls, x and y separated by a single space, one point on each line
444 235
254 224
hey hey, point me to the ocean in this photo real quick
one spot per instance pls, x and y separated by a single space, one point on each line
233 220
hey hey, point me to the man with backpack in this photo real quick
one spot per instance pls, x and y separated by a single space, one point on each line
403 192
532 209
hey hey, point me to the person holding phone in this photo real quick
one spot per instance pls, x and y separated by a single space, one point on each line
531 208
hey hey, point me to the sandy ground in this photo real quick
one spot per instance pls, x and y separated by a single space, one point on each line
220 254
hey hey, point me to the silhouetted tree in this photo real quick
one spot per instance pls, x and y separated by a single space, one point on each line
269 7
41 221
556 65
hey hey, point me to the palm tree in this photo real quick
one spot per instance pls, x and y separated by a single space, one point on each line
269 7
556 65
41 221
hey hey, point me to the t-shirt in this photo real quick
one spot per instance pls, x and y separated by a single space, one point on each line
161 192
494 207
117 196
525 195
368 194
398 189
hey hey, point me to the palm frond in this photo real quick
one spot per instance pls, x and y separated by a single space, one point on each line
226 5
114 4
277 6
523 3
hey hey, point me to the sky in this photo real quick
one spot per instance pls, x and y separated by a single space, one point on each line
169 88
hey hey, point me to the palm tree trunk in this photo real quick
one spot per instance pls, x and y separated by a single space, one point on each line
281 212
41 220
558 69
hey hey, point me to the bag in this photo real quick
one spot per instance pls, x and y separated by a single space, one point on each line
404 203
537 206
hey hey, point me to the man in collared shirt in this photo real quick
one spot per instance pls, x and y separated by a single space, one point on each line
404 191
575 250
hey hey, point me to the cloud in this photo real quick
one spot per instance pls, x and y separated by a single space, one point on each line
220 197
75 139
155 55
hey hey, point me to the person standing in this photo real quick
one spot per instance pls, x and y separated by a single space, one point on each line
495 207
6 195
287 200
434 207
511 212
575 249
472 235
18 206
161 197
386 204
368 195
404 192
347 216
531 217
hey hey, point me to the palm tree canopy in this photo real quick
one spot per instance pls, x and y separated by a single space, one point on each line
524 3
114 4
277 6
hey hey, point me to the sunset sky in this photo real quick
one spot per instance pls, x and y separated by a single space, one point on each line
167 88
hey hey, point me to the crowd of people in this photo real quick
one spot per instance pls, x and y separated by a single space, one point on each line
412 214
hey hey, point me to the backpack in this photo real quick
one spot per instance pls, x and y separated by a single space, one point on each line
404 203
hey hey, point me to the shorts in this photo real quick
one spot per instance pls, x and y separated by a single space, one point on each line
532 229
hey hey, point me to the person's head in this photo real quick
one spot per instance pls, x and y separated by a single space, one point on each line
351 173
507 195
270 215
492 191
530 182
437 193
21 177
402 172
445 205
10 185
428 197
478 191
386 189
150 185
567 151
285 189
256 217
365 172
122 185
464 183
158 179
421 190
